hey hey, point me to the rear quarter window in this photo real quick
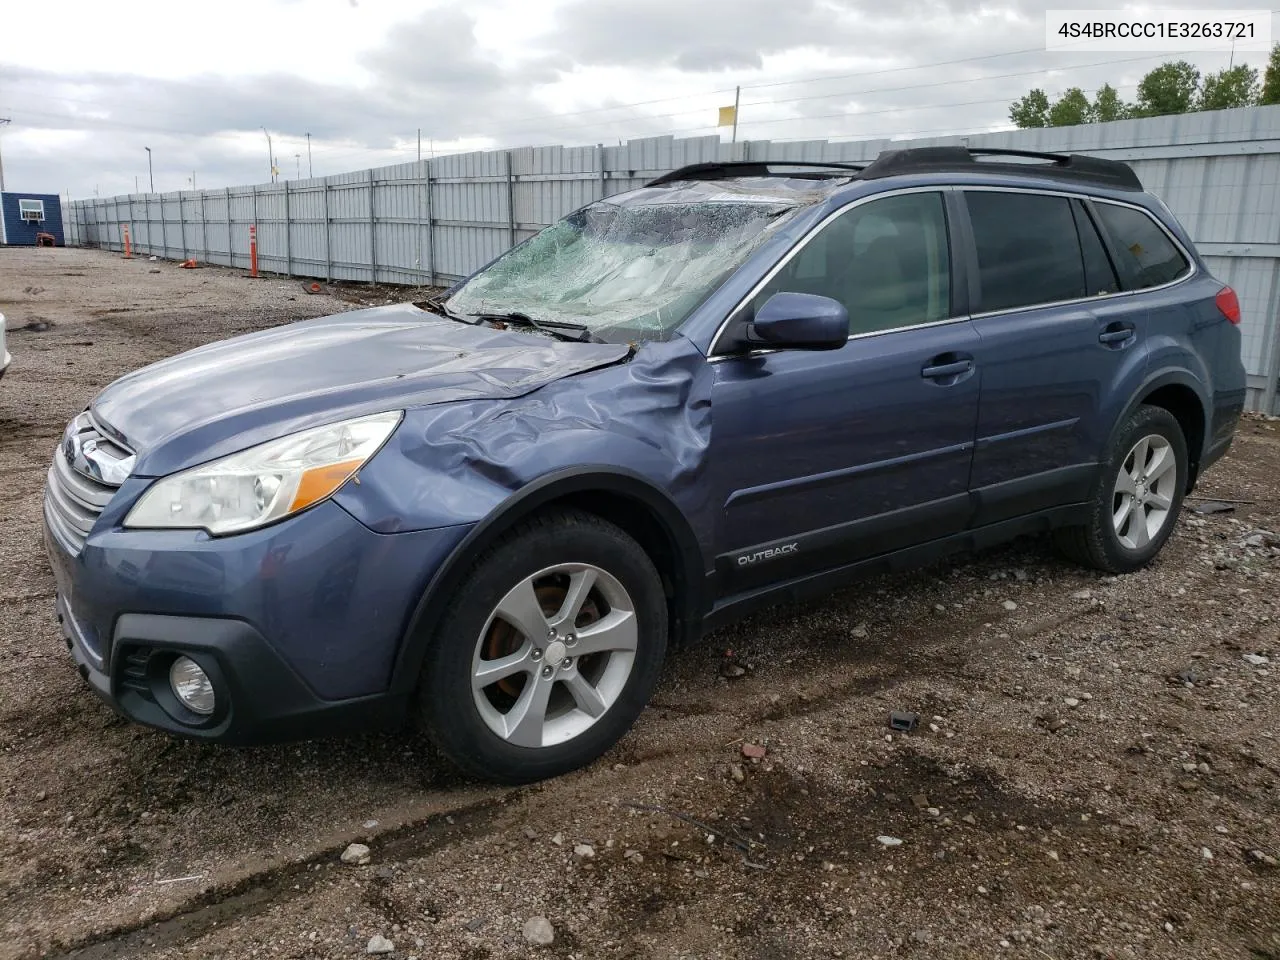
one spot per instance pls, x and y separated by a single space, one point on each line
1145 254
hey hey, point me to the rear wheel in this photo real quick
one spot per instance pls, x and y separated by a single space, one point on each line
548 653
1136 498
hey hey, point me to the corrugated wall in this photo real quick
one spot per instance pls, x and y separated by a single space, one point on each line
437 221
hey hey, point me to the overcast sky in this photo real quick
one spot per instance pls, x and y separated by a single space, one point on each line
88 84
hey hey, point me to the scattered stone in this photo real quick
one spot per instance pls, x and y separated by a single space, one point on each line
1071 702
737 773
754 751
539 932
859 632
919 800
933 812
889 841
1056 724
1256 660
529 833
619 767
1009 605
732 670
1053 855
356 855
1259 856
1221 829
157 270
42 796
1204 769
1082 595
1206 853
1213 506
379 944
1188 785
970 819
922 936
386 873
558 839
584 850
635 856
476 925
939 608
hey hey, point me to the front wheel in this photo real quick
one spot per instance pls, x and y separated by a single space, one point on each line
1136 498
548 653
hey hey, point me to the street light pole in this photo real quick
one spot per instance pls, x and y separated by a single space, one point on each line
150 173
3 120
271 157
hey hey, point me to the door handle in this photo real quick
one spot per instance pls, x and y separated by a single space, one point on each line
1117 333
942 370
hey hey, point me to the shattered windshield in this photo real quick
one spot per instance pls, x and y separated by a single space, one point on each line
632 267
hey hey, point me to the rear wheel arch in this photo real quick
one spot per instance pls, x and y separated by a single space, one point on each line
1183 397
621 497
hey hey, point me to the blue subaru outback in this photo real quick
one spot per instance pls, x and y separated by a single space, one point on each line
741 384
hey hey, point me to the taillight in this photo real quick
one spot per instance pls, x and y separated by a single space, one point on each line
1229 304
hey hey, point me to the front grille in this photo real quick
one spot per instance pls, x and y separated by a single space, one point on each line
88 467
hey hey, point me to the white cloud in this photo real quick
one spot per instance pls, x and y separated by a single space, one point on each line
197 84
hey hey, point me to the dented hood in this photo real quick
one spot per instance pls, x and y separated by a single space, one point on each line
229 395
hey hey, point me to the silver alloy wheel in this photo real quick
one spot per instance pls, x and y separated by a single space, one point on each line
1144 492
554 655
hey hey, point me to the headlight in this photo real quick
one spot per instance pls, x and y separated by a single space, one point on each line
266 482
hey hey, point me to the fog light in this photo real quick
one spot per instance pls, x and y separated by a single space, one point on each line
191 686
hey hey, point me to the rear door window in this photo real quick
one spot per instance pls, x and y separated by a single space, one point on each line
1147 257
1100 276
1028 250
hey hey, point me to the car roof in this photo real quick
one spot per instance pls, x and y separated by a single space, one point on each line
936 165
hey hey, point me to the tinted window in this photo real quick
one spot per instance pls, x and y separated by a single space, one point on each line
886 260
1148 257
1028 251
1099 275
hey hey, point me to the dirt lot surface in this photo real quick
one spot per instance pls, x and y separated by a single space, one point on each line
1096 771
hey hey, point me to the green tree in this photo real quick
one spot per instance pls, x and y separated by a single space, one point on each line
1070 109
1169 88
1031 111
1107 105
1271 80
1236 87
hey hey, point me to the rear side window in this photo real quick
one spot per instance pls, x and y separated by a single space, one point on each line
1028 250
1148 258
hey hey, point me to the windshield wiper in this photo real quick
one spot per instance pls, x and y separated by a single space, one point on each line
439 309
560 329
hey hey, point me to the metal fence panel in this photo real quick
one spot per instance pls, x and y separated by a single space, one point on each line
437 221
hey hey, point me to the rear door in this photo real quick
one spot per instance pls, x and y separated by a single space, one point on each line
1053 339
823 458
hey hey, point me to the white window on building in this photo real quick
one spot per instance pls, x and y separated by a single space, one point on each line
31 209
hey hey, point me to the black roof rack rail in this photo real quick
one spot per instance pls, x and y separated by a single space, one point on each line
723 170
1111 173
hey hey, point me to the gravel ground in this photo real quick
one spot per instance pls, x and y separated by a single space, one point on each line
1096 772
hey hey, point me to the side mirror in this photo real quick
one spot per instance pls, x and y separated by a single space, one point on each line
798 321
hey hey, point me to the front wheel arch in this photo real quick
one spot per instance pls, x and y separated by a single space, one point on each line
619 496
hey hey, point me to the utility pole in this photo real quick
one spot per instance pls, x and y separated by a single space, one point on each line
150 173
136 188
419 144
310 172
271 157
298 159
193 179
737 94
3 120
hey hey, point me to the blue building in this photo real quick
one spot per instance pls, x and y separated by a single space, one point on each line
25 215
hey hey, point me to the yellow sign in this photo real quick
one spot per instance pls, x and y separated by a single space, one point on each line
726 116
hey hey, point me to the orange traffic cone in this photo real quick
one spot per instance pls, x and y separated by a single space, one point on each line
189 264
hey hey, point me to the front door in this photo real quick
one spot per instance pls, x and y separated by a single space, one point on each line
824 458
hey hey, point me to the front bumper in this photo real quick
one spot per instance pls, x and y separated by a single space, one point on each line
298 624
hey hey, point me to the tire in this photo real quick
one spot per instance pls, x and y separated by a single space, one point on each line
1114 539
536 718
